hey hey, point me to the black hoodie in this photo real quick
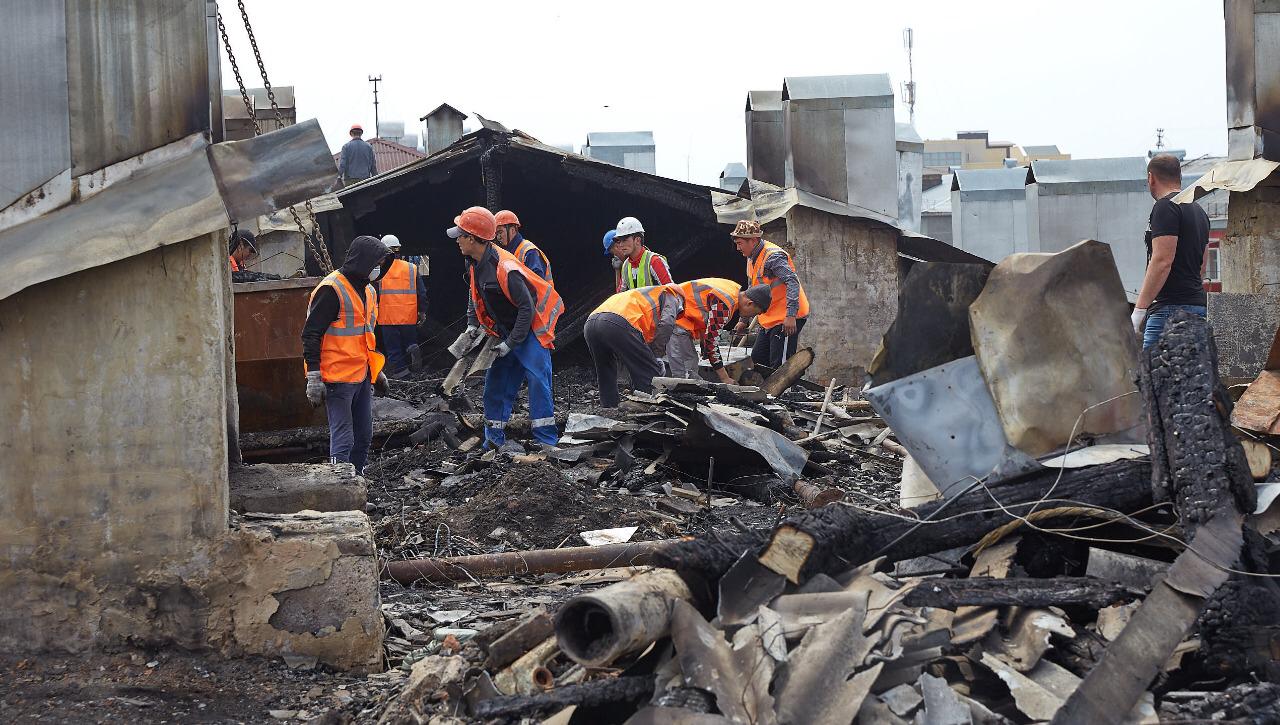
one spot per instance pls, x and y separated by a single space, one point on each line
363 255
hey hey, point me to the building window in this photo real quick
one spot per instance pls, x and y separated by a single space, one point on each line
1211 271
944 158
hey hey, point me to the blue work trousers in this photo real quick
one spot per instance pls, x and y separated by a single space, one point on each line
529 361
397 339
350 410
1158 319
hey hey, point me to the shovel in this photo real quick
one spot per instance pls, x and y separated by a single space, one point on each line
466 366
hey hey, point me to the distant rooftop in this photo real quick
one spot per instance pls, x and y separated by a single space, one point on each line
1052 171
389 154
443 108
1051 150
734 169
620 138
906 132
937 199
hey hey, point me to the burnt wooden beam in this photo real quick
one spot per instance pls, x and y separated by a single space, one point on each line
1018 591
1202 468
837 538
621 690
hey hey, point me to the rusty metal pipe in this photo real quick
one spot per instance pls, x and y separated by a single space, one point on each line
541 561
596 628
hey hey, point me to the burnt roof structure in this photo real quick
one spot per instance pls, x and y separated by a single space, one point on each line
566 203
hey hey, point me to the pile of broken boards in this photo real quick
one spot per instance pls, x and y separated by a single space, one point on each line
1134 590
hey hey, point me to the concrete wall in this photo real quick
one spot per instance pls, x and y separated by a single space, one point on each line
1244 325
1250 249
280 252
114 456
849 269
1059 216
990 224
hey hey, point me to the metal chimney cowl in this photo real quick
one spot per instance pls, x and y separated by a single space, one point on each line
1253 81
840 139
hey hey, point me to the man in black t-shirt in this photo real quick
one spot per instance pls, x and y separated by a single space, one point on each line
1176 239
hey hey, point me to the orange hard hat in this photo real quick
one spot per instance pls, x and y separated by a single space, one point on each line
356 127
505 217
476 221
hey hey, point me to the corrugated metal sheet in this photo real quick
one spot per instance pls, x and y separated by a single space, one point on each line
35 145
990 179
620 138
1058 171
138 77
873 88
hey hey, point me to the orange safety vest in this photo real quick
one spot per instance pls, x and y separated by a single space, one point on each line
522 249
398 294
235 266
347 353
547 303
639 307
698 295
777 311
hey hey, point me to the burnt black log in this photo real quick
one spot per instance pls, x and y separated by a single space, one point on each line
620 690
844 537
1021 592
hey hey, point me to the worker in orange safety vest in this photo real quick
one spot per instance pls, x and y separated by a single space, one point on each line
784 315
343 365
402 306
519 309
241 248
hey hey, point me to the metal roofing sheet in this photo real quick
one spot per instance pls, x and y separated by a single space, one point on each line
796 88
764 100
907 132
1059 171
990 179
389 154
734 169
620 138
1050 150
937 199
443 108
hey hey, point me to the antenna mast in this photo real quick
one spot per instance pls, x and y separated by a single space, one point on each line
1159 138
375 80
909 88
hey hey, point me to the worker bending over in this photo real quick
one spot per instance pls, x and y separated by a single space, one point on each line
635 326
520 309
708 305
510 239
782 318
338 348
402 306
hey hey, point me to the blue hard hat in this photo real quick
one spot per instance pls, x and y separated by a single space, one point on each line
608 240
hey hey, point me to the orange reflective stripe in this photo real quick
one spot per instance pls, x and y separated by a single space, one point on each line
235 266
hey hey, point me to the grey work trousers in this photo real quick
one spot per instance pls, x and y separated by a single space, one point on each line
611 339
682 355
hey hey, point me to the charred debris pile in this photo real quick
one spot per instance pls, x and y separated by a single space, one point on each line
1116 563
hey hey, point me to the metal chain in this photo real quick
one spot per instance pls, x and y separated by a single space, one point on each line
315 239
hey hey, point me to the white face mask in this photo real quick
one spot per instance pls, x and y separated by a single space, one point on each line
374 273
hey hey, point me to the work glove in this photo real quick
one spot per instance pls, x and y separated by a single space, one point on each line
1139 319
460 345
502 349
315 388
422 319
381 387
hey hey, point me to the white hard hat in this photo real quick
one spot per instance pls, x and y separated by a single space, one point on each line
627 226
391 241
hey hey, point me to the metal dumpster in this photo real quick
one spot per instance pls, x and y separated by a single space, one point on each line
270 380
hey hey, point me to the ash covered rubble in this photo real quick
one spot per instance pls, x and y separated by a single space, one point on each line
1129 584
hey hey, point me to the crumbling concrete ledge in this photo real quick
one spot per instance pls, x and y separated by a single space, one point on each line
287 488
301 586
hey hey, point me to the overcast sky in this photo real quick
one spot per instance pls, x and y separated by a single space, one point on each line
1094 77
